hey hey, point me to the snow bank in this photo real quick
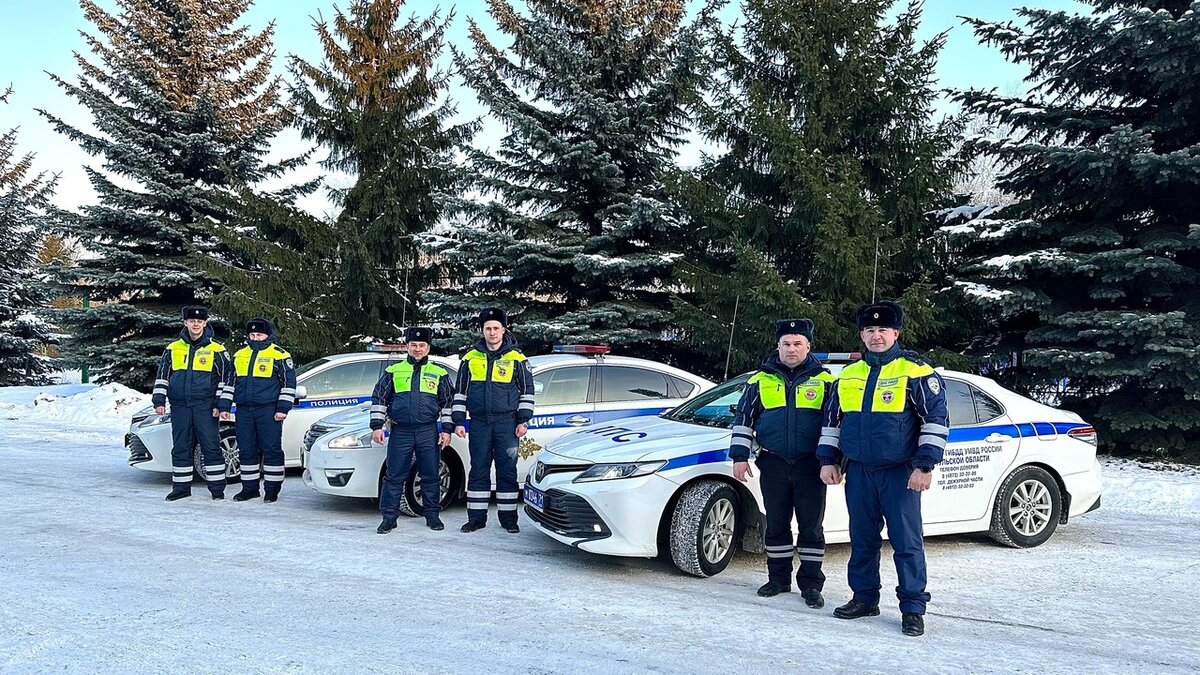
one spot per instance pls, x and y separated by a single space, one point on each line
84 404
1151 487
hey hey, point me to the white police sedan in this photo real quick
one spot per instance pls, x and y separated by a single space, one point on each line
329 384
578 386
636 487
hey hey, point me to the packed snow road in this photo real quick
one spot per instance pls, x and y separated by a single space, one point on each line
98 573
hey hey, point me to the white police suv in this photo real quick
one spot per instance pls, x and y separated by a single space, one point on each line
329 384
576 387
640 486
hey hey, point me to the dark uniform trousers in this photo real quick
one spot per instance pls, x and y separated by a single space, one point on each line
191 425
490 442
875 496
793 488
404 443
260 446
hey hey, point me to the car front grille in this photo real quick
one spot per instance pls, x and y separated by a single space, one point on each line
314 432
569 515
138 452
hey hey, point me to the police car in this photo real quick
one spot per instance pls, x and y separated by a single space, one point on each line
329 384
640 486
576 387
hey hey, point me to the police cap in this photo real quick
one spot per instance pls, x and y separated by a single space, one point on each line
884 314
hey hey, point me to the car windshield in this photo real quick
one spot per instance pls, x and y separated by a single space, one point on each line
713 408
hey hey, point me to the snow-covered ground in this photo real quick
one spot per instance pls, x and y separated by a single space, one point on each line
99 574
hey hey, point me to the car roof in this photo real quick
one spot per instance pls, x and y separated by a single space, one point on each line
371 356
546 360
539 361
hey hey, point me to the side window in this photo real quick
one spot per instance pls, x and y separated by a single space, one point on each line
681 388
959 403
351 379
986 407
562 386
631 384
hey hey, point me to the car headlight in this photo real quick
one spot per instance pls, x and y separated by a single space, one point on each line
155 420
614 471
355 440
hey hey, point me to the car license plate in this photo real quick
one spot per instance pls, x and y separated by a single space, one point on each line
535 498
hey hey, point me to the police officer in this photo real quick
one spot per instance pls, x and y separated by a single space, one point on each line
781 408
195 375
888 417
495 386
264 393
416 396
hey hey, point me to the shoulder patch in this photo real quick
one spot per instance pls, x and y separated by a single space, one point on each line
933 384
289 363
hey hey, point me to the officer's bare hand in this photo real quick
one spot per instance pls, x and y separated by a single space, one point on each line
443 439
919 480
741 470
522 429
216 413
279 417
831 475
377 436
160 410
224 415
461 432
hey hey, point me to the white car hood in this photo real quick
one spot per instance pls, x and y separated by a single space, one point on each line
638 438
358 416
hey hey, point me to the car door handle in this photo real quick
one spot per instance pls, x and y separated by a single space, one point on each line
578 420
997 438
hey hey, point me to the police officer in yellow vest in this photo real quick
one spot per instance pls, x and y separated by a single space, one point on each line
416 396
264 393
495 386
888 417
781 409
196 377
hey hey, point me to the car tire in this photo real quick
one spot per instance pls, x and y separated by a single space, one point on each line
1027 508
227 442
410 499
703 528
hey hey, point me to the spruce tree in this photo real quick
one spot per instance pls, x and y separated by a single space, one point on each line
829 157
1090 280
24 330
377 106
574 231
184 107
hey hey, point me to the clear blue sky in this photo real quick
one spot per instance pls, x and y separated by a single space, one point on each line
37 36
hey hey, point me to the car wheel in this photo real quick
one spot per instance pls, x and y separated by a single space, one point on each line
1027 508
410 500
227 443
703 527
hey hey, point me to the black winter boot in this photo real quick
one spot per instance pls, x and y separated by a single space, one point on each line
813 598
856 610
773 588
912 624
245 495
179 493
386 526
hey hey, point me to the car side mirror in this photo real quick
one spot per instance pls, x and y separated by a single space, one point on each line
301 392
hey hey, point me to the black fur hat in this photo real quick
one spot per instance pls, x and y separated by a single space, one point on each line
194 312
794 327
418 334
259 325
493 314
884 313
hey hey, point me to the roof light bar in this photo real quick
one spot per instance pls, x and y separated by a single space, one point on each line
582 349
387 347
837 356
